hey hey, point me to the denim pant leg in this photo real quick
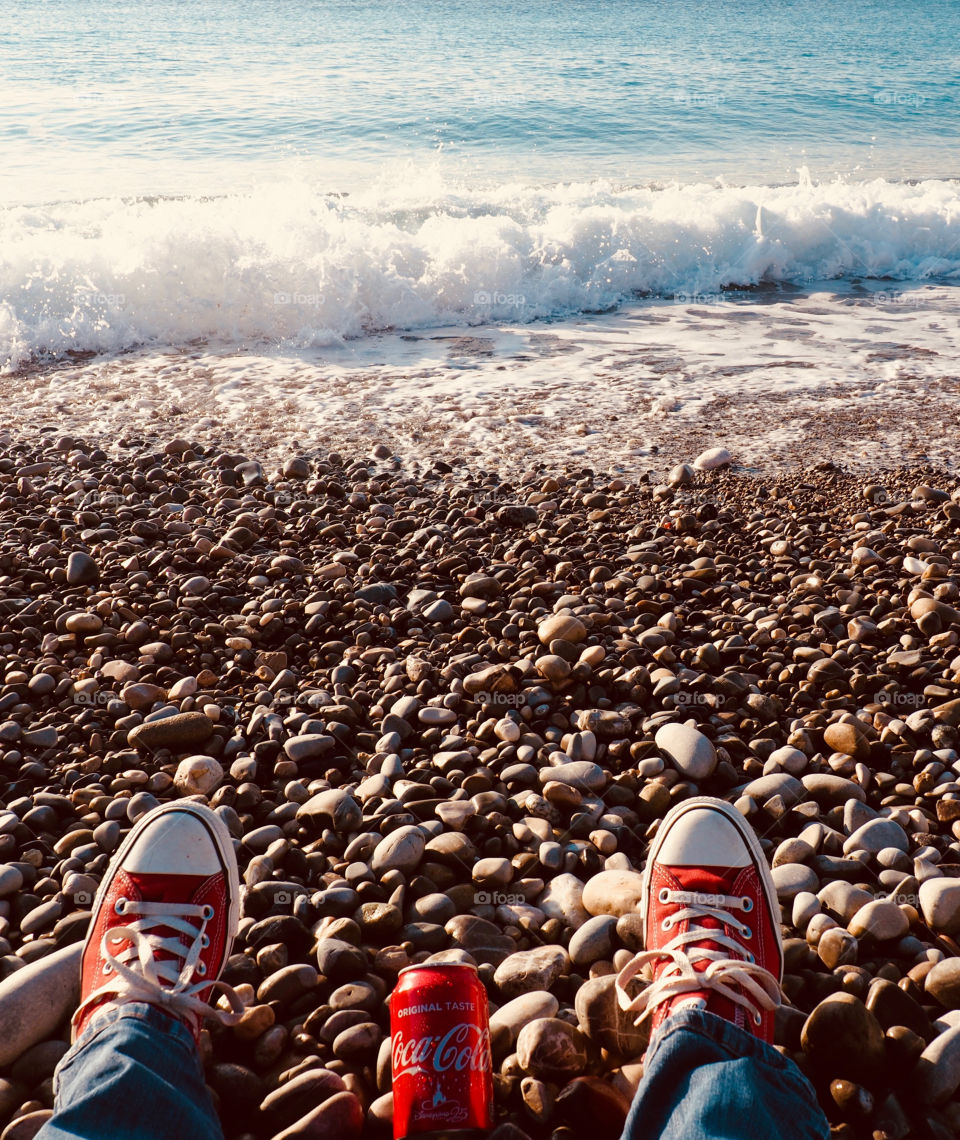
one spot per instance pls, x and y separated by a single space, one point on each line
705 1079
134 1074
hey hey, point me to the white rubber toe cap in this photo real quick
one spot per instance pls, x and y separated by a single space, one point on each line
176 843
703 837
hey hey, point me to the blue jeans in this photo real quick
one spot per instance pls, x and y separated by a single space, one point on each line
134 1074
705 1079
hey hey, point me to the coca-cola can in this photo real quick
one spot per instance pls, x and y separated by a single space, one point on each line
440 1053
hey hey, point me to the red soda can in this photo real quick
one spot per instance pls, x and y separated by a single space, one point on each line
440 1053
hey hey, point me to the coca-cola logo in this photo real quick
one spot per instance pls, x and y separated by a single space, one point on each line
464 1047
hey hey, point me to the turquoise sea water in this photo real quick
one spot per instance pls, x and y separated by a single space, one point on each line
170 168
153 97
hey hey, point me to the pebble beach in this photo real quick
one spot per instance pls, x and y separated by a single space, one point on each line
442 712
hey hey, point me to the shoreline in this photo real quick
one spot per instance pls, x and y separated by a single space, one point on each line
872 378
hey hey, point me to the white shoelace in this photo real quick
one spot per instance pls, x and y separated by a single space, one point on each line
739 979
140 977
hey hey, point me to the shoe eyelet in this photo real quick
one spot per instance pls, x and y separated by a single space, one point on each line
746 904
746 932
202 969
107 968
664 895
207 912
757 1019
204 940
750 958
666 924
119 906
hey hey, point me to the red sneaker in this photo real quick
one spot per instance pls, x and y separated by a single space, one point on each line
164 919
711 922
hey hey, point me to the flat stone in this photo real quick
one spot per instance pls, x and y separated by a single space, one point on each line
581 774
339 961
528 970
338 1118
197 776
11 880
792 878
781 784
357 1042
551 1049
844 899
41 737
850 739
713 458
882 920
513 1015
401 850
790 759
562 898
592 1106
613 893
288 983
177 733
378 593
35 999
844 1040
494 871
891 1006
940 903
692 753
196 586
937 1074
602 1020
299 1094
943 983
83 623
482 940
308 746
139 695
81 569
830 790
837 947
27 1126
561 627
593 941
604 723
334 808
875 835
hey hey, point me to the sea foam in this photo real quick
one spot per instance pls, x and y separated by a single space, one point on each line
291 266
